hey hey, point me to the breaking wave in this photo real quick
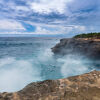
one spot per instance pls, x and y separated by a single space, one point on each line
15 74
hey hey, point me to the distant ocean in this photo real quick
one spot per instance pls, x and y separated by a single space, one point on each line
26 60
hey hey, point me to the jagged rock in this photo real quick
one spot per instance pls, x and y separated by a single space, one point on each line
85 47
82 87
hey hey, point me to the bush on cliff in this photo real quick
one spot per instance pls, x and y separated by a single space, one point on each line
88 35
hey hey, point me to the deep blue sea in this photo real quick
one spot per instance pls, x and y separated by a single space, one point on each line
26 59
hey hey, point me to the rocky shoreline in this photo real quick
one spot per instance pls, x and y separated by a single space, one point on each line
81 87
89 48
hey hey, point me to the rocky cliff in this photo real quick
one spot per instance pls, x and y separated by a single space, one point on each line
82 87
86 47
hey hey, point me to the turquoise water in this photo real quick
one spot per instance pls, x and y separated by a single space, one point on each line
26 60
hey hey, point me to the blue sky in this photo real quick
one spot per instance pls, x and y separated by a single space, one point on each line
49 17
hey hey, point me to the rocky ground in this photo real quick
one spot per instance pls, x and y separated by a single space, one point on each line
82 87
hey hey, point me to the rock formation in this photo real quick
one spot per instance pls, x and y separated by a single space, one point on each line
82 87
87 47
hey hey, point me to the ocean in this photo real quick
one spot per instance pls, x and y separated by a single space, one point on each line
26 59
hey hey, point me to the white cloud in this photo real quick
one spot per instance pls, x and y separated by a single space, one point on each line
76 16
81 28
15 27
48 6
23 8
52 30
10 25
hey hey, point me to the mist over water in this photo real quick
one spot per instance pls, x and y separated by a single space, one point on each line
74 65
26 60
15 74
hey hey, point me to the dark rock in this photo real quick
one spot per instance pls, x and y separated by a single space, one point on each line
88 48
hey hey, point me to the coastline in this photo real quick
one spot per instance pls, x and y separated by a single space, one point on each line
81 87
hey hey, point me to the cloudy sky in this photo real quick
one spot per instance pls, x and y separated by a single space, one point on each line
49 17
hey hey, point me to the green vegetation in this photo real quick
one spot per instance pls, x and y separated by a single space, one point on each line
89 35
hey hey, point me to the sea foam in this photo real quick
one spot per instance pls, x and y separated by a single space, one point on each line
15 74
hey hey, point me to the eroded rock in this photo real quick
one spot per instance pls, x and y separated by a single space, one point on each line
84 47
82 87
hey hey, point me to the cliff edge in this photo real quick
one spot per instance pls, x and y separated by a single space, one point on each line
89 48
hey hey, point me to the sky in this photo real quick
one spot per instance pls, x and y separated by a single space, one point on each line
49 17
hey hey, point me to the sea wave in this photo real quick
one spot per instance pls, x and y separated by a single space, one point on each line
15 74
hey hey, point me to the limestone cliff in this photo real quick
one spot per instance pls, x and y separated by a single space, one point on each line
82 87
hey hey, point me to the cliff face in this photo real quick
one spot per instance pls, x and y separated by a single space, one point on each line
88 48
82 87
